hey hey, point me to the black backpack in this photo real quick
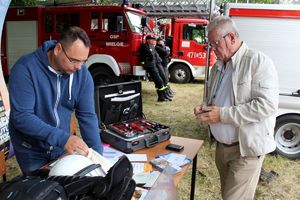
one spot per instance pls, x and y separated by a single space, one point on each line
31 188
116 185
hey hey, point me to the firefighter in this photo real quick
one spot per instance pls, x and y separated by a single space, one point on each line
149 59
164 54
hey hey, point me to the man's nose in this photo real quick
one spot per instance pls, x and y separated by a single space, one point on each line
213 47
77 66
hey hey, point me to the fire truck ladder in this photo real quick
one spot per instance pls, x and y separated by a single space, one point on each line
174 8
154 8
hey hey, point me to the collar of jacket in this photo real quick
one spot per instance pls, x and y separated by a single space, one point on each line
236 58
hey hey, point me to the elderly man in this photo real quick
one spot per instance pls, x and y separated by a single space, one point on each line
240 109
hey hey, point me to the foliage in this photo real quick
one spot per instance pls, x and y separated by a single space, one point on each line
24 2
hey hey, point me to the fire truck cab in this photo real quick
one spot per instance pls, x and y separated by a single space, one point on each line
186 38
115 33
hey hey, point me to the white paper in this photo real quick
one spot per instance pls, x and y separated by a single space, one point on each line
176 159
138 168
141 178
137 157
99 159
111 154
147 178
152 177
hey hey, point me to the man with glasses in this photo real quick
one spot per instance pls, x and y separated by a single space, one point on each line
45 87
240 109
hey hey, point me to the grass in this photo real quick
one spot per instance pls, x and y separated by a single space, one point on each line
178 114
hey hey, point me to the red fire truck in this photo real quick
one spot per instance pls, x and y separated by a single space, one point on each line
115 33
187 41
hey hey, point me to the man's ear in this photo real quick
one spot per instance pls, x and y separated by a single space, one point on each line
57 49
232 37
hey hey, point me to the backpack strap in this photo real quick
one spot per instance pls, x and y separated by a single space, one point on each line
79 186
88 169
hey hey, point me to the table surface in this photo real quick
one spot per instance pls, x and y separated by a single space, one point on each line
191 148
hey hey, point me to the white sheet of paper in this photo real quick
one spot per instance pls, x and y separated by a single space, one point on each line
176 159
152 178
112 154
141 178
137 157
138 168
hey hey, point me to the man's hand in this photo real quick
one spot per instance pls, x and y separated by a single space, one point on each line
199 109
76 145
207 114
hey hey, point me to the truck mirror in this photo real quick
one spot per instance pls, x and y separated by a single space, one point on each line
206 47
144 21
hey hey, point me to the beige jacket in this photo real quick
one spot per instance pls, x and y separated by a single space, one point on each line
255 91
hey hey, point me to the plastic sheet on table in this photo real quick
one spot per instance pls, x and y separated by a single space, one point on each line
163 188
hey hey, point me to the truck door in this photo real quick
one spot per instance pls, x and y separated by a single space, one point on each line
192 44
111 38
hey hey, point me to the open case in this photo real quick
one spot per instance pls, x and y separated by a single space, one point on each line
120 112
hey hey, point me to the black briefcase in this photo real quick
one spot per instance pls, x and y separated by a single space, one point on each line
120 113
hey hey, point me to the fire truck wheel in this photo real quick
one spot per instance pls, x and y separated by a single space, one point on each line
102 75
287 136
180 73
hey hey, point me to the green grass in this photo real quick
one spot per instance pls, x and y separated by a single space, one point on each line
178 114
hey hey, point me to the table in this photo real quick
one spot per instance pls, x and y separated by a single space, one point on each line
191 148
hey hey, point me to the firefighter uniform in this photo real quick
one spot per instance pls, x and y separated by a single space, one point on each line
163 54
149 59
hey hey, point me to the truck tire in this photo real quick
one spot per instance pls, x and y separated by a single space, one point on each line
102 75
287 136
180 73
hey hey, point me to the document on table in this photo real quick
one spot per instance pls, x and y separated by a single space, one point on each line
141 167
176 159
111 154
148 179
137 157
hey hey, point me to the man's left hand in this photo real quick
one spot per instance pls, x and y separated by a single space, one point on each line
211 116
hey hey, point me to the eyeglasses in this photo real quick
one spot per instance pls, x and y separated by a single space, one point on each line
217 43
72 60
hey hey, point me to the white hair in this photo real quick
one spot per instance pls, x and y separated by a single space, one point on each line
223 25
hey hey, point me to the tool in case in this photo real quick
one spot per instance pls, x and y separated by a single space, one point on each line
120 113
